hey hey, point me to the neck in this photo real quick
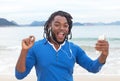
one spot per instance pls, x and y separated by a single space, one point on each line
56 45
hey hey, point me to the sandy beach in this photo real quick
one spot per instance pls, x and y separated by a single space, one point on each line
97 78
76 78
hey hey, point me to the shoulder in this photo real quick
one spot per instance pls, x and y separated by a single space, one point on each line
39 43
75 47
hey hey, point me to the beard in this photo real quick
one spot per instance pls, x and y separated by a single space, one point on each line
52 35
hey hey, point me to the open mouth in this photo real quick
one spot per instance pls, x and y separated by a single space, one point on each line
61 35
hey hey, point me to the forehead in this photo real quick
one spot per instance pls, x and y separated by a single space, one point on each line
60 19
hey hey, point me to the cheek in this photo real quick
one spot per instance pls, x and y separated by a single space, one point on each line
54 30
67 31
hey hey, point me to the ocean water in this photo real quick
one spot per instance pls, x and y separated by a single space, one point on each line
84 36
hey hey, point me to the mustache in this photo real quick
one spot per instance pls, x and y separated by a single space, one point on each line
52 35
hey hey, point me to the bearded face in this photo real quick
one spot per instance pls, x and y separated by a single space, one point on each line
59 29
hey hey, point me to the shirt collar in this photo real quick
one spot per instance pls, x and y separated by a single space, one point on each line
59 47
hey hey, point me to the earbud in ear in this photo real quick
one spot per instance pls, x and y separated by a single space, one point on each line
49 31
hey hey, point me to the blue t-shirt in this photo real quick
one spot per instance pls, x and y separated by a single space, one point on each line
56 65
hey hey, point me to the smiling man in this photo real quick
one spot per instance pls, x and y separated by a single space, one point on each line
54 56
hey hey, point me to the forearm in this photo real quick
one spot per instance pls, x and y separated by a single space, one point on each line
102 58
21 63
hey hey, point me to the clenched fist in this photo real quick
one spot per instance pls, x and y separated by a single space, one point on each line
28 42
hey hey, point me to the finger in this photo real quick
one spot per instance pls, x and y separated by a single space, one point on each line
102 48
32 38
24 42
102 41
27 41
98 48
101 45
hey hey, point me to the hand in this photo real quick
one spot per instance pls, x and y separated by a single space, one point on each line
28 42
103 46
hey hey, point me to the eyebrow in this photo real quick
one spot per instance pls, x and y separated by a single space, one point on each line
59 22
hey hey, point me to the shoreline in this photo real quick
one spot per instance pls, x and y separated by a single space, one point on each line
76 78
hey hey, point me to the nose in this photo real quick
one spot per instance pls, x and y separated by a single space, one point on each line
61 27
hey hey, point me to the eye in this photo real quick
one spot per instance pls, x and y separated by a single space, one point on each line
57 25
66 26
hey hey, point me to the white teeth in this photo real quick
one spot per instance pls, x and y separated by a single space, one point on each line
61 33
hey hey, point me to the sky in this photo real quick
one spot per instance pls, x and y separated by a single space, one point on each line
27 11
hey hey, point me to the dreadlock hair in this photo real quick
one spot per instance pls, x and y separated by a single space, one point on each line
46 33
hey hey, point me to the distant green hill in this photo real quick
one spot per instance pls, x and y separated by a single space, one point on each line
37 23
5 22
41 23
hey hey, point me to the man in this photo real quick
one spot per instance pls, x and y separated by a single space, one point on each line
54 56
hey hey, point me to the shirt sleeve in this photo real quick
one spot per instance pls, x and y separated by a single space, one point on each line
90 65
30 62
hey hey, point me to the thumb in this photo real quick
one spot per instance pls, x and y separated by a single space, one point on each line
32 38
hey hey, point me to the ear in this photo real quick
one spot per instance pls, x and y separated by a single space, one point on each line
49 26
49 29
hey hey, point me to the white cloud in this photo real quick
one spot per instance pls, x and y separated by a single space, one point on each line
25 11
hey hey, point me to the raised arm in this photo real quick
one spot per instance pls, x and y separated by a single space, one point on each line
27 43
103 46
